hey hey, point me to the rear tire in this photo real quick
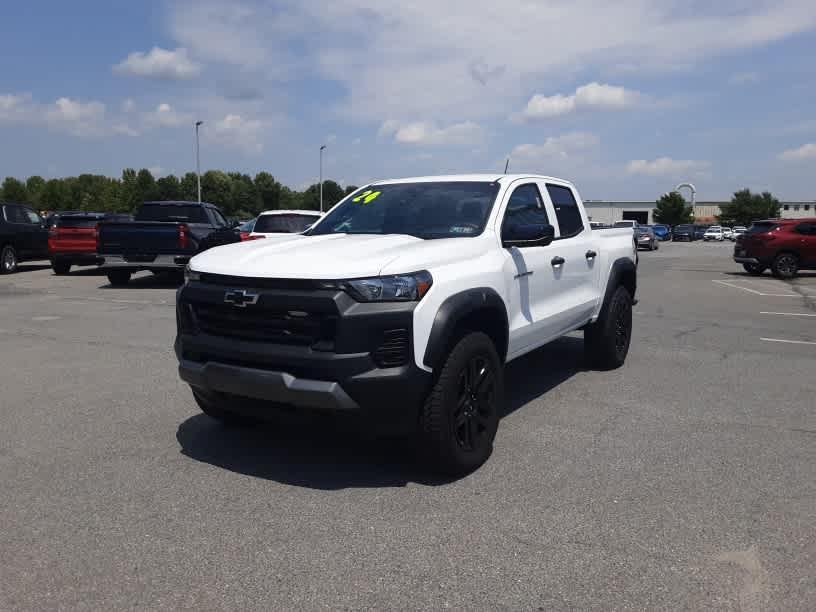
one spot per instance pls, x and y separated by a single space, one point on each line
213 407
753 269
785 266
606 342
119 278
8 260
60 267
461 413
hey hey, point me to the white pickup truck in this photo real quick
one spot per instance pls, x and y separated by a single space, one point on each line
400 307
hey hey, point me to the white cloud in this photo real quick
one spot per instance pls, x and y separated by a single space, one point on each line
806 151
156 171
124 129
166 116
83 119
667 167
14 107
592 96
159 63
743 78
428 133
426 59
567 145
237 132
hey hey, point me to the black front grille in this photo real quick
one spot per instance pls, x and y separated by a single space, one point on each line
264 325
393 352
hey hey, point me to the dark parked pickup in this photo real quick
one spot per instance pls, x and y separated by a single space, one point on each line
163 236
23 236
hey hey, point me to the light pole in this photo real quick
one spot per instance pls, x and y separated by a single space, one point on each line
198 162
321 176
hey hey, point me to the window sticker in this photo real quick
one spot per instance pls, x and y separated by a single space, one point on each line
367 197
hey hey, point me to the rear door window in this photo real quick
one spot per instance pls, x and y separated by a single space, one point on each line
808 229
761 228
566 210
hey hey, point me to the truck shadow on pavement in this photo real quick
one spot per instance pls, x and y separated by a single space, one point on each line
319 457
151 281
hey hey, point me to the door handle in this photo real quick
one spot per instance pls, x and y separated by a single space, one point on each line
591 254
557 261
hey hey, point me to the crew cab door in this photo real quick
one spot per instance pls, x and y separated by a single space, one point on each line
578 277
30 234
532 283
806 232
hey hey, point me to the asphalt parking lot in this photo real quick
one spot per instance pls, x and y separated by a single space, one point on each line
686 479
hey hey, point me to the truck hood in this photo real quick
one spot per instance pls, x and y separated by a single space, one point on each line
333 256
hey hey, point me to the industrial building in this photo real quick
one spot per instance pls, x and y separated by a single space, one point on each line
704 212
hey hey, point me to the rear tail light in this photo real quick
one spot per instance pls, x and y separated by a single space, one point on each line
53 232
183 235
251 237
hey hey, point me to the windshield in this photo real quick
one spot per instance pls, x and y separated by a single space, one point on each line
247 227
171 212
425 210
283 224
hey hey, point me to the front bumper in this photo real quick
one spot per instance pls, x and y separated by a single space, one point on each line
339 374
746 260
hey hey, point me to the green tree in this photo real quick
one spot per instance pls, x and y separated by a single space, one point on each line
672 209
332 194
54 195
746 207
168 188
216 189
14 191
130 196
34 187
268 190
146 185
189 187
244 199
350 189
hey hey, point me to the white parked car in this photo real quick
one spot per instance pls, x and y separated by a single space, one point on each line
399 308
283 222
738 231
728 233
715 232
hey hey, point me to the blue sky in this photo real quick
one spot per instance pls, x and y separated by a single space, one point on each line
626 99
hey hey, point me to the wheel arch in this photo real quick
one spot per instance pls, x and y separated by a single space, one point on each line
479 309
623 272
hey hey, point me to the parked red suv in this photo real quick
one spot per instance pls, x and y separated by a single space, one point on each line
72 239
783 245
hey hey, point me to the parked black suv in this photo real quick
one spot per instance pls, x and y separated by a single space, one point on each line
23 236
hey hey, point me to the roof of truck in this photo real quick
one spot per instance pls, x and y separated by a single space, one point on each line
464 178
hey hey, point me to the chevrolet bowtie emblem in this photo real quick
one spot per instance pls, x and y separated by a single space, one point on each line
240 298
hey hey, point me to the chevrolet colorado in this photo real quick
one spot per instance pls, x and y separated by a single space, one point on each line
401 306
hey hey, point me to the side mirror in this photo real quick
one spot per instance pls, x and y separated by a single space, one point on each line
521 236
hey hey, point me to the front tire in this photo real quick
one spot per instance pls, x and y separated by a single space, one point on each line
8 260
753 269
606 342
785 266
118 278
461 413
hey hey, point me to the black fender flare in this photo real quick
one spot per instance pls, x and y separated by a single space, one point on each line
454 310
622 272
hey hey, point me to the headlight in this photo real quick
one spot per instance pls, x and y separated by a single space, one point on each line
191 275
400 288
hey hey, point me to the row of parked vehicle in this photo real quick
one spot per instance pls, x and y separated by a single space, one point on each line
160 236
